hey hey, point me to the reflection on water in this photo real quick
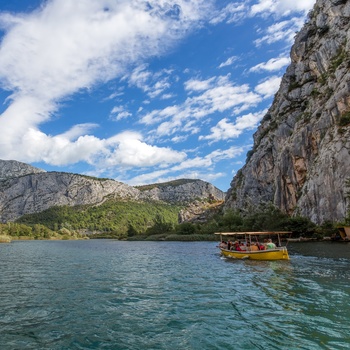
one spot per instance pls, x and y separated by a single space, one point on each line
168 295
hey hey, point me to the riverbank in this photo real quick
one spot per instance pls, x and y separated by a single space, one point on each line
9 239
5 239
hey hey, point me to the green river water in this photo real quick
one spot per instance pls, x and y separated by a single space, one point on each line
105 294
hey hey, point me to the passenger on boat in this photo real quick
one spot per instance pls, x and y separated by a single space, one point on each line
229 244
242 246
237 246
260 246
254 247
223 245
270 244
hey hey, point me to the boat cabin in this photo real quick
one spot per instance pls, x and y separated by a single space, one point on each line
253 247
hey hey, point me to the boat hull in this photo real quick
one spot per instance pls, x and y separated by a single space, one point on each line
271 254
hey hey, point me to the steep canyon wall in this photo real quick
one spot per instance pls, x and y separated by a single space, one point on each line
301 156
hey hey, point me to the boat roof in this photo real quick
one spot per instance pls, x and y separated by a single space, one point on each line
253 233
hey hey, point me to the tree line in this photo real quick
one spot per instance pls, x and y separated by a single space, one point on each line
154 221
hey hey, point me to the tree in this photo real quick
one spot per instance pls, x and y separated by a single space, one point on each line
186 228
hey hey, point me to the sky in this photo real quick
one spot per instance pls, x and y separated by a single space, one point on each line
141 91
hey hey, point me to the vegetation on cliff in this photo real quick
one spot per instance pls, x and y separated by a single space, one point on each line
153 221
117 219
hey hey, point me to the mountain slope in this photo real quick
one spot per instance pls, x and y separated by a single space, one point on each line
12 168
34 192
301 152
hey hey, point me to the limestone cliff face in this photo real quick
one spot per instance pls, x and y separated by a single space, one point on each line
27 190
182 191
12 168
37 192
301 155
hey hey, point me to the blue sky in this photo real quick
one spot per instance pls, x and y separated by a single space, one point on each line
141 91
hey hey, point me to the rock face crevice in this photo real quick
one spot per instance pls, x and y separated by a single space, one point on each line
301 156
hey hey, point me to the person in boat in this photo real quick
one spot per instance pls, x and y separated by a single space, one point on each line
260 246
223 245
270 244
237 246
229 244
254 247
242 245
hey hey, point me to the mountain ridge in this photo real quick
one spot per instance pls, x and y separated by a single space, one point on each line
28 190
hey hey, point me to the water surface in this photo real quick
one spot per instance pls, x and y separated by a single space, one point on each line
105 294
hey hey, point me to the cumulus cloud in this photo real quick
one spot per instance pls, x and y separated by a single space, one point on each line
225 129
284 29
119 113
198 85
280 31
66 46
268 87
274 64
191 168
130 150
282 7
206 97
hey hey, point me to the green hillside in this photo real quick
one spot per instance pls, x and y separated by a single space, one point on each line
112 218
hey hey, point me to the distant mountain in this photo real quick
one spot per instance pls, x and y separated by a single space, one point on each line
301 156
27 190
12 168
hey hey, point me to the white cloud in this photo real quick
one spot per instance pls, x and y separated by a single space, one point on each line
274 64
282 7
188 168
130 150
228 62
154 84
119 113
281 31
225 130
232 13
66 46
167 96
214 95
269 86
198 85
123 115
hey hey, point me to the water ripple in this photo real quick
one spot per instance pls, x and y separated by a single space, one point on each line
159 295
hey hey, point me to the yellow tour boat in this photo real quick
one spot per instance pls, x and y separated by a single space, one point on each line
249 245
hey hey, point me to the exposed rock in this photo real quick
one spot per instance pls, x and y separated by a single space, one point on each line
12 168
301 153
182 191
200 211
26 194
37 192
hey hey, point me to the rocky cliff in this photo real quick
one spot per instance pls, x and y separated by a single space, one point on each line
301 154
12 168
182 191
27 190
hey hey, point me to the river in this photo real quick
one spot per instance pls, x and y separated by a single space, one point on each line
106 294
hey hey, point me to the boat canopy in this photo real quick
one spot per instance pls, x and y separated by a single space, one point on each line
253 233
